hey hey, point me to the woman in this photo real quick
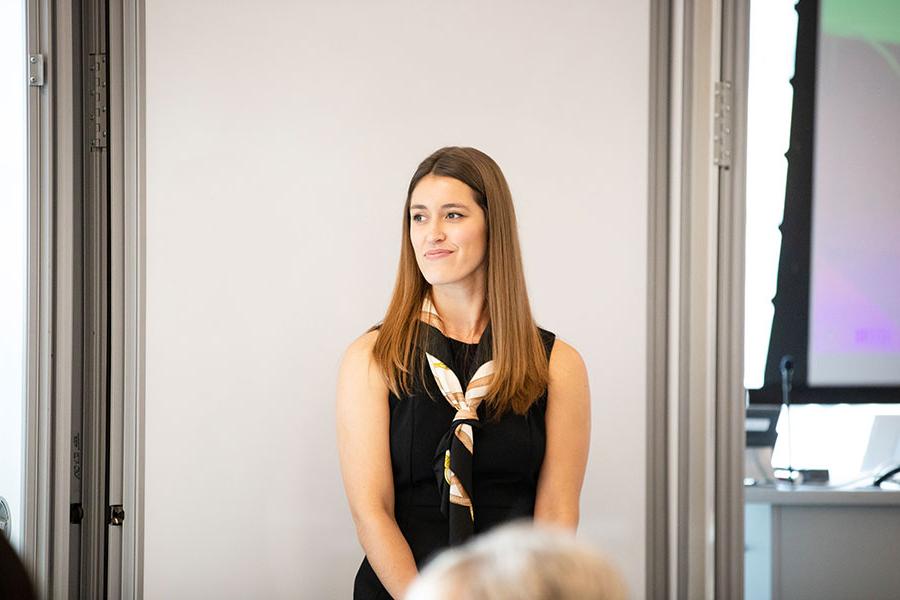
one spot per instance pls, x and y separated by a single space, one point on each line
457 412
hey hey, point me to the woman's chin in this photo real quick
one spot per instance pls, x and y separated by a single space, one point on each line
440 279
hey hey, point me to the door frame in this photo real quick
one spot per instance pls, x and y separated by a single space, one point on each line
50 352
696 426
128 185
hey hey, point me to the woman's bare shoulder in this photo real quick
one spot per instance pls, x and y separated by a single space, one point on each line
363 344
565 360
357 361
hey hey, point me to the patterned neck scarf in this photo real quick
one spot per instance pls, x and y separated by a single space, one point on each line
453 457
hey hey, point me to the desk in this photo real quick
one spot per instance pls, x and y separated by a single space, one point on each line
814 542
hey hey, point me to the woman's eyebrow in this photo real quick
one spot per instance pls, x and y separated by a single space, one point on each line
450 205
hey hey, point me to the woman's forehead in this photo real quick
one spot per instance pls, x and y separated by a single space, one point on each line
437 191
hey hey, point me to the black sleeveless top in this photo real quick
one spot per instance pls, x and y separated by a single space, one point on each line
506 463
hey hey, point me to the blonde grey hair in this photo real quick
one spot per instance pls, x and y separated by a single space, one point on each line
520 561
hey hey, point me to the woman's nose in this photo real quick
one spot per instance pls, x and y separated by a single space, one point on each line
435 234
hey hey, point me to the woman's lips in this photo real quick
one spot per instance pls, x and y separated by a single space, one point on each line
436 254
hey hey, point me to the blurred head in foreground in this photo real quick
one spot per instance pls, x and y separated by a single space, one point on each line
520 561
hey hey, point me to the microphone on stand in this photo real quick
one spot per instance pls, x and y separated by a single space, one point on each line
787 376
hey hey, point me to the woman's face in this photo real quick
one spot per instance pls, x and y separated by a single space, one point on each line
448 231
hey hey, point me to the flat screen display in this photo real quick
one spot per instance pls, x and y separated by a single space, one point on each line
854 328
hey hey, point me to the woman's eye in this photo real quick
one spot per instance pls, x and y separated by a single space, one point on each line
417 218
455 213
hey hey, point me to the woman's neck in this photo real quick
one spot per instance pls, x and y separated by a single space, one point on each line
463 312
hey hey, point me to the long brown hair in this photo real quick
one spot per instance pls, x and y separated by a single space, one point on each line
520 361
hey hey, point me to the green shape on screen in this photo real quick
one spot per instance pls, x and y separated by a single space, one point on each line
871 20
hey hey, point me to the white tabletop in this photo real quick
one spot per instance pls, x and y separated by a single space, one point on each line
820 495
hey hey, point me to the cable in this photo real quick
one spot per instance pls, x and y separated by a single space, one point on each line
885 476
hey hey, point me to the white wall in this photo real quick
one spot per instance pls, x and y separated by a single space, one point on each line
281 139
13 239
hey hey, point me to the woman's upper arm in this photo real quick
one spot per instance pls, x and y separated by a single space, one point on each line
363 425
568 422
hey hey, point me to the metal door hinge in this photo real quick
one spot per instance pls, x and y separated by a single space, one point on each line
115 515
723 126
98 97
36 69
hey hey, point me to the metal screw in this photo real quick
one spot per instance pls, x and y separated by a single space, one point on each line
32 79
33 59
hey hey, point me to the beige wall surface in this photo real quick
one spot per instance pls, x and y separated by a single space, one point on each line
281 137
